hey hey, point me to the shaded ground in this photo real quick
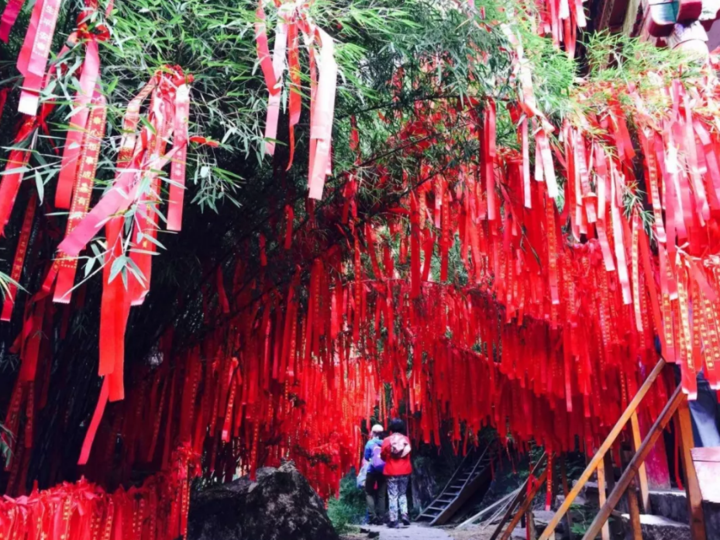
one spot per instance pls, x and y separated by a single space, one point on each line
423 533
471 533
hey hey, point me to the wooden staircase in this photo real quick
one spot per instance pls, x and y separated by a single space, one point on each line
472 475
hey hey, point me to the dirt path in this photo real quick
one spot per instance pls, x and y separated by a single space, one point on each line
414 532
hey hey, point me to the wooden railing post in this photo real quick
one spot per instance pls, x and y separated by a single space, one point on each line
692 486
606 445
634 465
602 496
566 489
634 510
632 500
642 475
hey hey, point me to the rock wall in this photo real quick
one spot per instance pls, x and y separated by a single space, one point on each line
280 505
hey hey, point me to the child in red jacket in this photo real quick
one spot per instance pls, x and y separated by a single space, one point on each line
396 455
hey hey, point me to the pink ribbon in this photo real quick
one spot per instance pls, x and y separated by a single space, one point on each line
9 16
322 118
177 169
33 57
273 110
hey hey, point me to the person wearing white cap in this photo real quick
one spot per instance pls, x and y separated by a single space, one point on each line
376 482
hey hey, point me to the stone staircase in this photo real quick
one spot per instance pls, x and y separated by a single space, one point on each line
669 519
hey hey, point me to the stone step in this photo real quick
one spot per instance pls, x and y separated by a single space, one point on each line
657 528
671 504
579 500
541 519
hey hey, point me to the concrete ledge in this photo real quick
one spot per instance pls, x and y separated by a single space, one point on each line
657 528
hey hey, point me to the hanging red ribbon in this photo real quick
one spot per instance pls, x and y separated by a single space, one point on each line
88 160
18 261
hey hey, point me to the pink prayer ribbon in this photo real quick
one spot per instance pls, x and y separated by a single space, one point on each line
322 118
177 169
33 57
9 16
273 110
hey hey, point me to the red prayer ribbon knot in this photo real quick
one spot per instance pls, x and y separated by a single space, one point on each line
98 32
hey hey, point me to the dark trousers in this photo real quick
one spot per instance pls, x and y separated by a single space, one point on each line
375 493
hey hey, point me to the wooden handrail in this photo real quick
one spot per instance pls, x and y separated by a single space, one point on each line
635 463
518 498
606 445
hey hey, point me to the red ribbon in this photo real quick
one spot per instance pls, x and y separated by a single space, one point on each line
91 144
78 125
14 172
18 261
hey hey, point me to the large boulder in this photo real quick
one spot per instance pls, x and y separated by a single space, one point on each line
279 505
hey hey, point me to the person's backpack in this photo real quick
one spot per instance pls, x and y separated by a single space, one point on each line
399 446
376 461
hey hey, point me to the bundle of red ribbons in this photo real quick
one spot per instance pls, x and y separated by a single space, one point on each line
143 153
155 510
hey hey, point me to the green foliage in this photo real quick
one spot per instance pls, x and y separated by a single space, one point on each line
618 57
349 508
